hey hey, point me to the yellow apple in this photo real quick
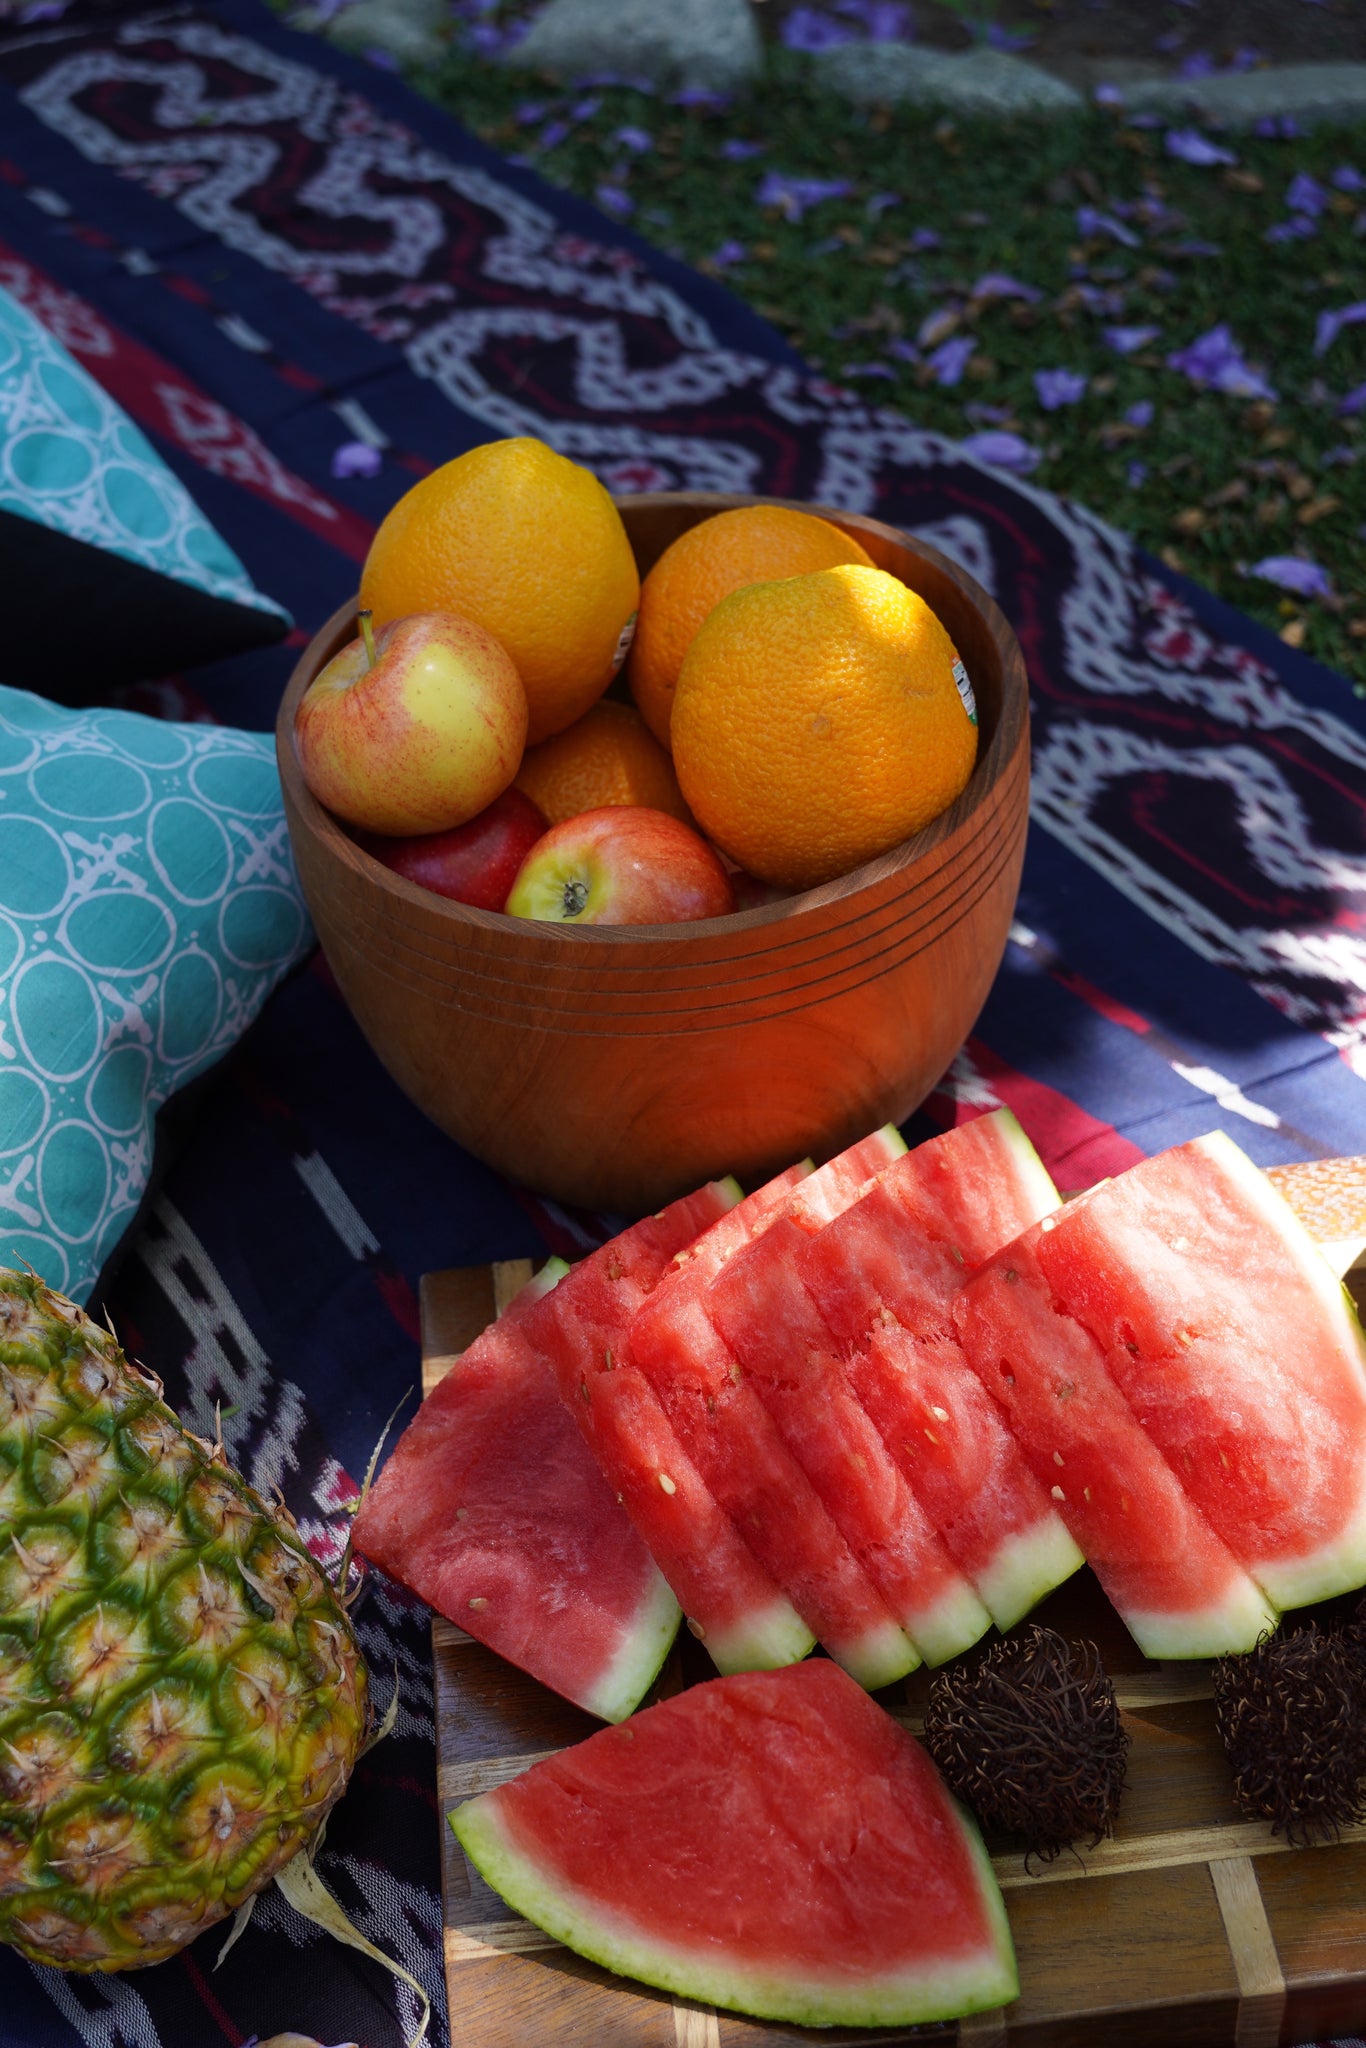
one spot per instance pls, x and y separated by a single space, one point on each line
414 729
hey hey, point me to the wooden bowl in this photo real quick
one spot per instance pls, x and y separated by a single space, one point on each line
618 1066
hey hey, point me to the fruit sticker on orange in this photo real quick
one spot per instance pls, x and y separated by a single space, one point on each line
960 677
624 639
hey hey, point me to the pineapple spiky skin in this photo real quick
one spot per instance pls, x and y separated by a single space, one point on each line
182 1697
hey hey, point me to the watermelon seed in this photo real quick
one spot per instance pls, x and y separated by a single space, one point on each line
607 1359
711 1404
1011 1274
667 1483
1009 1378
583 1389
614 1270
931 1435
959 1256
462 1514
697 1629
1086 1493
479 1600
1058 1493
1057 1457
940 1414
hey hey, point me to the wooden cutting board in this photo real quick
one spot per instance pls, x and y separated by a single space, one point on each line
1192 1928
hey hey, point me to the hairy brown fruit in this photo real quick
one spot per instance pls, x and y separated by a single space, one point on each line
1291 1718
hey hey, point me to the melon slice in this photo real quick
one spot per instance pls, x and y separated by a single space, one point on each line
785 1351
733 1605
491 1509
884 1276
772 1843
731 1438
1178 1587
1239 1353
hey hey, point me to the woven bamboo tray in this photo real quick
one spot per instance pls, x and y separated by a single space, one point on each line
1193 1928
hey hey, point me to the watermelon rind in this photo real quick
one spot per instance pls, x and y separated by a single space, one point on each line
622 1945
1237 1624
1026 1568
1338 1566
1034 1175
768 1639
626 1680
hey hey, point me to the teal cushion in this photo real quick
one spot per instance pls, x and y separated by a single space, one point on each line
122 574
148 905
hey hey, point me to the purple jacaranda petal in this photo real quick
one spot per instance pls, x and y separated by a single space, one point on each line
356 458
1199 64
636 139
1140 414
807 29
1002 451
950 359
1305 194
878 202
730 252
1353 401
1244 60
1108 96
528 111
1135 474
987 415
1214 359
1330 325
584 110
904 351
924 238
884 21
1348 179
792 196
999 37
1194 148
1170 42
1194 247
867 370
1126 340
1300 229
1091 221
1278 128
700 96
553 134
998 284
383 60
1295 573
1057 388
737 151
613 200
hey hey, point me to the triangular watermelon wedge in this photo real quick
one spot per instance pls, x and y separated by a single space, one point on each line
493 1511
773 1843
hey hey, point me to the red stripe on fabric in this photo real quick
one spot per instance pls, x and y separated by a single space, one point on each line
155 394
1076 1147
227 2026
1096 998
398 1298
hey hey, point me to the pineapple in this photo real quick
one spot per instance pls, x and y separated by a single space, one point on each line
181 1694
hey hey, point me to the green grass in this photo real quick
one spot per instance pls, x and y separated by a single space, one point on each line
1226 481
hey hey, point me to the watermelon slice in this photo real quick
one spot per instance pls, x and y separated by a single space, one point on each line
771 1843
1238 1351
763 1312
731 1438
884 1276
1177 1586
491 1509
733 1605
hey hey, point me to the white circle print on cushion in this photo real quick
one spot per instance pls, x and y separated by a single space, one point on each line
148 905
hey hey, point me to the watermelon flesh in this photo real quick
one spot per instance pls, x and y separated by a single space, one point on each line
492 1510
1238 1351
884 1276
772 1843
785 1352
731 1439
1179 1589
734 1607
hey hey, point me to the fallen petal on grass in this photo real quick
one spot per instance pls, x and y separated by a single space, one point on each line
1295 573
1002 451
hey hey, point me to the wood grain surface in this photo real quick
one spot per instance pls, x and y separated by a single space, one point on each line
1192 1928
619 1066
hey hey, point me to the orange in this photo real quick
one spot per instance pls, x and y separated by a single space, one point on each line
605 757
529 546
752 544
820 720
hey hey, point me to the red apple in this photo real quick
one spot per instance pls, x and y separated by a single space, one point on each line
621 865
475 863
414 729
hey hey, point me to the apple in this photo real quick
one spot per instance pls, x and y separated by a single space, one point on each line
622 864
414 729
473 863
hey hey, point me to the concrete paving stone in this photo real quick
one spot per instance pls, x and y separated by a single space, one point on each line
711 43
1306 92
977 82
413 31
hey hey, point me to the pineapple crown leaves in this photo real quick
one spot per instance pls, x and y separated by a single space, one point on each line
339 1584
